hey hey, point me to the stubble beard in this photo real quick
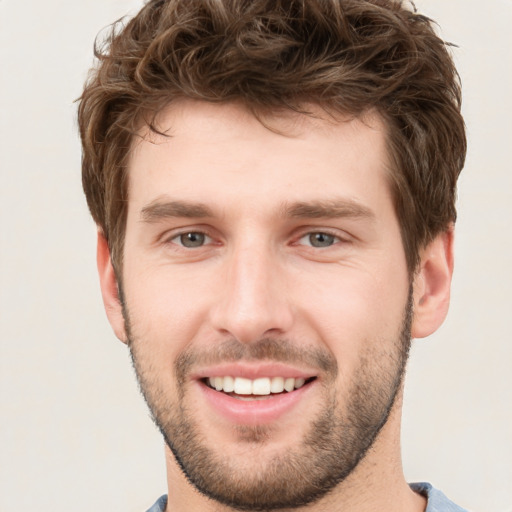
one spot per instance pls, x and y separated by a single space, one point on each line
334 444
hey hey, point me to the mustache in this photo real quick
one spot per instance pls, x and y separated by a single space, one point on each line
265 349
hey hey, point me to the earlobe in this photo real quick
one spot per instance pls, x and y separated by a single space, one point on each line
109 288
432 285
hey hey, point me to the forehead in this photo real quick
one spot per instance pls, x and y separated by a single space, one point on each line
223 152
311 120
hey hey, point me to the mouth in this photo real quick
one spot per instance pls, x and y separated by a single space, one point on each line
256 393
261 388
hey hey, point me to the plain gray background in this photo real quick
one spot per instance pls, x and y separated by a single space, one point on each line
74 432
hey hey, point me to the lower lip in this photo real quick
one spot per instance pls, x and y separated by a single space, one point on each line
253 412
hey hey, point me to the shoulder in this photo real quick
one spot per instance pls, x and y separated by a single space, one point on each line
159 505
437 501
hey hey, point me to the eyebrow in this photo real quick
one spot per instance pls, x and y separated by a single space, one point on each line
158 210
334 208
328 209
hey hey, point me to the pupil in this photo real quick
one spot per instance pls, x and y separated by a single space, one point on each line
192 239
321 240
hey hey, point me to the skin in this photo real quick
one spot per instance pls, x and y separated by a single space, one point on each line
258 276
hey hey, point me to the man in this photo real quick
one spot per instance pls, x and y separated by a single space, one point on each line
273 184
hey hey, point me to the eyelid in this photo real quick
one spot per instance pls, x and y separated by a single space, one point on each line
340 236
170 235
309 244
207 239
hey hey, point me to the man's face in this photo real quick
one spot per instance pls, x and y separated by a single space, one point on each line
257 259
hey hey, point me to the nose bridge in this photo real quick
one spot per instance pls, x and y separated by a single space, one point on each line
253 299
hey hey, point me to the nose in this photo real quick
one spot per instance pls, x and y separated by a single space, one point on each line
252 302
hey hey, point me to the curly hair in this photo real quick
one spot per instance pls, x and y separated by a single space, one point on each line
348 56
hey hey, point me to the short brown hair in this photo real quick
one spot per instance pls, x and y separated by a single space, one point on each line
348 56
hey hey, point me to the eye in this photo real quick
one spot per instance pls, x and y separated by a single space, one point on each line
319 239
191 240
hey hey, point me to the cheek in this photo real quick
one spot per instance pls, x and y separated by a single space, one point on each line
165 309
350 292
352 309
162 325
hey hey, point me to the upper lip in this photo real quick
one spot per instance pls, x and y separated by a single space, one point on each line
250 370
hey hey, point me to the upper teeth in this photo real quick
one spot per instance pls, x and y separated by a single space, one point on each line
261 386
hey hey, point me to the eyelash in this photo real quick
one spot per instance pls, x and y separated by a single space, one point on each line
203 233
176 238
338 238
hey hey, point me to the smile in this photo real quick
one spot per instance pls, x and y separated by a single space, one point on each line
245 401
262 386
256 392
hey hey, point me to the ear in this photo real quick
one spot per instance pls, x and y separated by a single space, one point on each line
431 288
109 289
